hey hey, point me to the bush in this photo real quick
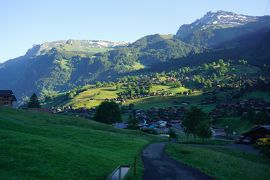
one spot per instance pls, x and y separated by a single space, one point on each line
264 145
172 134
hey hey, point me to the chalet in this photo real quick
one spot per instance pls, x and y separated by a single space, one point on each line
7 98
258 132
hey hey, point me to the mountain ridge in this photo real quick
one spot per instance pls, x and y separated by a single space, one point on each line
61 65
215 28
77 45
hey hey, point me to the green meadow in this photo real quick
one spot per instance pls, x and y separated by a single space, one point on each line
222 163
44 146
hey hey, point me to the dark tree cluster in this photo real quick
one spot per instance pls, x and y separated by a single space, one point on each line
197 123
108 112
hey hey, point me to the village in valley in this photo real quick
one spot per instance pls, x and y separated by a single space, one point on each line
157 103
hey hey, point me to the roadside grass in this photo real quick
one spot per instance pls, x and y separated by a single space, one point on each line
182 139
222 163
44 146
206 141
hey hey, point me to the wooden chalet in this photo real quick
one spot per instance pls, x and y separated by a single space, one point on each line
258 132
7 98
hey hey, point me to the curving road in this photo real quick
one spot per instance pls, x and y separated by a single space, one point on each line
159 166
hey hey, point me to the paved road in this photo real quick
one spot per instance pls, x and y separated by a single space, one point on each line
158 166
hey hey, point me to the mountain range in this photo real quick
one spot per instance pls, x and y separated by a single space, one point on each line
62 65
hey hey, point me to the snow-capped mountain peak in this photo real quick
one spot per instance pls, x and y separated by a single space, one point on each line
226 18
216 20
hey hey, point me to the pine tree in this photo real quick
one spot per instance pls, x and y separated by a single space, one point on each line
33 102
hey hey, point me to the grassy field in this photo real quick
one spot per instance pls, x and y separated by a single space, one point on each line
222 163
93 97
168 89
44 146
149 102
170 101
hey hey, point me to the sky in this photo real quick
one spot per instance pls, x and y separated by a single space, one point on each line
27 22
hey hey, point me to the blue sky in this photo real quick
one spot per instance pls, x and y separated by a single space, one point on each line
28 22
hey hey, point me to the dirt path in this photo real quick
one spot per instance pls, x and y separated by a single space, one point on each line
158 166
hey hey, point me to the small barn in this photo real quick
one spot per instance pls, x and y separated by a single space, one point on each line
258 132
7 98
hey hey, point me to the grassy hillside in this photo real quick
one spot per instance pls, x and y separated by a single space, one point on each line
44 146
169 101
222 163
92 97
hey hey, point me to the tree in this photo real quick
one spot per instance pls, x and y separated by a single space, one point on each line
172 135
71 95
204 130
177 84
118 86
192 119
132 123
98 84
108 112
33 102
205 67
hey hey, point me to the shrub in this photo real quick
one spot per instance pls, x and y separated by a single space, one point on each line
264 145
